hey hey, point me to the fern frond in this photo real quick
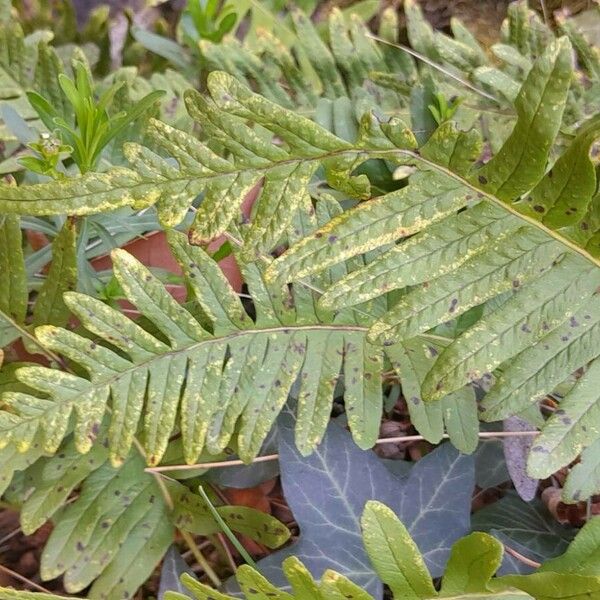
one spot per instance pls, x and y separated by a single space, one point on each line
521 162
339 64
49 308
524 38
456 412
286 168
469 574
122 521
502 233
17 61
13 280
234 370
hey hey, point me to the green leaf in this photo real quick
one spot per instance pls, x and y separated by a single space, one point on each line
526 525
225 182
458 411
254 585
551 586
420 32
118 514
583 480
302 582
473 561
120 525
372 224
526 317
570 429
192 514
394 554
13 280
337 587
485 275
565 192
539 368
49 307
200 591
581 555
10 594
237 371
521 161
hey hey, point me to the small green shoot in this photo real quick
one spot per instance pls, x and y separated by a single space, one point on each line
50 152
204 20
443 110
94 127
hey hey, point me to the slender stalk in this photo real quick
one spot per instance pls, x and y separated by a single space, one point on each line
24 579
187 537
230 536
435 65
200 559
380 441
220 542
523 559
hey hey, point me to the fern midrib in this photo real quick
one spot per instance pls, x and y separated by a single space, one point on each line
109 381
368 153
434 166
26 334
530 220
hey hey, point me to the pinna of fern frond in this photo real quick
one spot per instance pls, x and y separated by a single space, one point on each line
210 379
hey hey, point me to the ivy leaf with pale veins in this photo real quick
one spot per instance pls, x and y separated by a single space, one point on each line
328 490
527 527
173 567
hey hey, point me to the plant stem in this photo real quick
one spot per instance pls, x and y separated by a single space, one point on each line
24 579
390 440
200 559
230 536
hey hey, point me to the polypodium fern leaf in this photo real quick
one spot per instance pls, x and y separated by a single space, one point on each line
13 280
122 521
17 61
286 160
501 246
340 62
227 368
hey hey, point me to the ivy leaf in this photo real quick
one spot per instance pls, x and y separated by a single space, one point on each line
328 490
173 567
526 525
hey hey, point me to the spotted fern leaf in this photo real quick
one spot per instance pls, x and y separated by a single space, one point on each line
513 235
286 160
197 376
